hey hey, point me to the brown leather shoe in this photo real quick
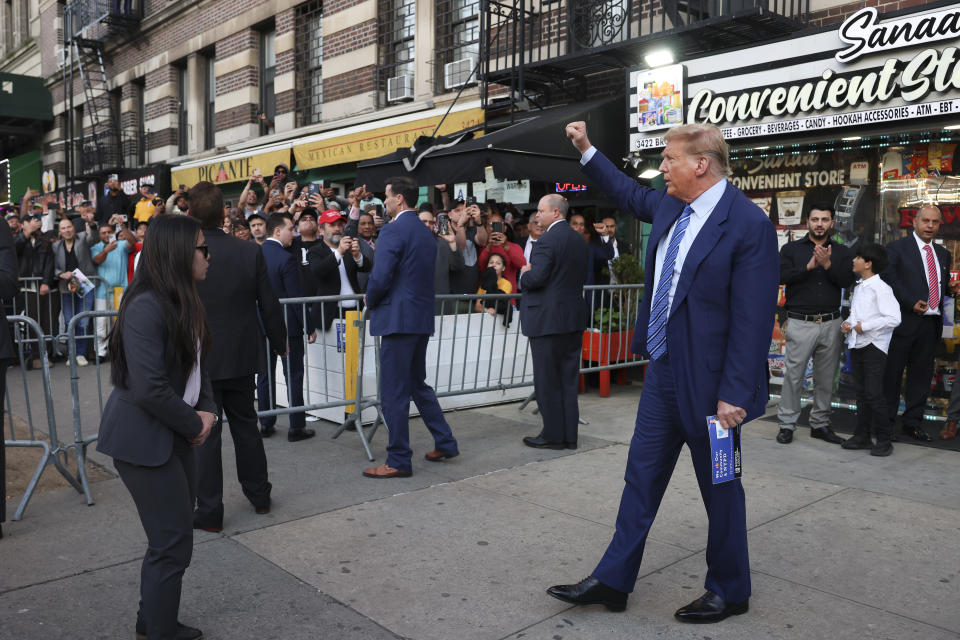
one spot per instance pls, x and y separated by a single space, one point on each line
949 430
439 456
385 471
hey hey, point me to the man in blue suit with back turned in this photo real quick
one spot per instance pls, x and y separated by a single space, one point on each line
705 324
400 299
284 272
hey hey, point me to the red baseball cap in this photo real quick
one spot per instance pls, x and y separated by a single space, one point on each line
330 216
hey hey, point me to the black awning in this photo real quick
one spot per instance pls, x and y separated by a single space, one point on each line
534 148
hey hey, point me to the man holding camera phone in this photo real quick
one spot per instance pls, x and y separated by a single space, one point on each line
149 204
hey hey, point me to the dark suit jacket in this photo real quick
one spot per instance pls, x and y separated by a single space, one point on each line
284 272
236 295
326 272
400 290
601 253
448 267
369 253
552 300
9 272
719 327
36 259
139 423
906 274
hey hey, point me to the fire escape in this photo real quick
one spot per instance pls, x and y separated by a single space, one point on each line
540 53
92 138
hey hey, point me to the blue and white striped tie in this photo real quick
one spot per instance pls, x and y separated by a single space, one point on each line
659 309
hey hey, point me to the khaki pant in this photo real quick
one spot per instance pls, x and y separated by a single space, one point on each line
822 342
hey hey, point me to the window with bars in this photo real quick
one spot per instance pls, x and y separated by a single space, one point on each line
183 127
458 43
309 60
210 105
268 70
396 33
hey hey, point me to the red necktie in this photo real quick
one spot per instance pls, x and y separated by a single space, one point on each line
932 280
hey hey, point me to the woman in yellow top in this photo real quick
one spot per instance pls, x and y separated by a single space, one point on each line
496 264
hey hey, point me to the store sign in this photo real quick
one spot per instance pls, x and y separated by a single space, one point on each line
785 172
865 34
659 97
918 83
132 186
48 179
231 169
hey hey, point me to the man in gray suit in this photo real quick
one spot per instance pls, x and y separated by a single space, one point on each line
552 316
72 251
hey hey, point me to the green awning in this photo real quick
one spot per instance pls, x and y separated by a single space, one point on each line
24 98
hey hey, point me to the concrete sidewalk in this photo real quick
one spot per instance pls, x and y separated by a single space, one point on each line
843 545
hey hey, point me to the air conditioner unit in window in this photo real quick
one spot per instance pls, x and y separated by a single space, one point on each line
400 88
459 72
62 54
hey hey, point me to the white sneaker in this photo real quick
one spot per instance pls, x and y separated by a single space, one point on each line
81 361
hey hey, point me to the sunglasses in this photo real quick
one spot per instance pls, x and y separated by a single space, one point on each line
204 249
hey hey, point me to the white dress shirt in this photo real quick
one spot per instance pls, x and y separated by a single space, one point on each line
923 258
345 288
876 309
703 206
527 250
191 391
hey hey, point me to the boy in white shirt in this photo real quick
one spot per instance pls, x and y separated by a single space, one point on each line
874 314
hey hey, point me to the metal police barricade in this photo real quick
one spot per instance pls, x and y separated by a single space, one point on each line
29 336
476 355
81 442
332 364
611 319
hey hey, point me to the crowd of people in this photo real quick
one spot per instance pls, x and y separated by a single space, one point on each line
103 243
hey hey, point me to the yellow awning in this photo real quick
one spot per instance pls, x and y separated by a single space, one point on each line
234 167
327 149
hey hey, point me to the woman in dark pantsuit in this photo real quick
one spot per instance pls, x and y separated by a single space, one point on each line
162 406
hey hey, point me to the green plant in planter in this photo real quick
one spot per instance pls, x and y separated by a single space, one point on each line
611 315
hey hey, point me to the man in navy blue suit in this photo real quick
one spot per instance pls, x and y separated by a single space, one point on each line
705 324
553 316
284 272
400 298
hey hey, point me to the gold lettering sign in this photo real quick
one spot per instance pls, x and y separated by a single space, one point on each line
235 170
377 142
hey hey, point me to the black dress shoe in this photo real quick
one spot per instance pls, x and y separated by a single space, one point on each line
882 449
860 441
590 591
569 445
826 434
183 632
208 527
785 436
917 433
710 608
296 435
266 432
539 443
